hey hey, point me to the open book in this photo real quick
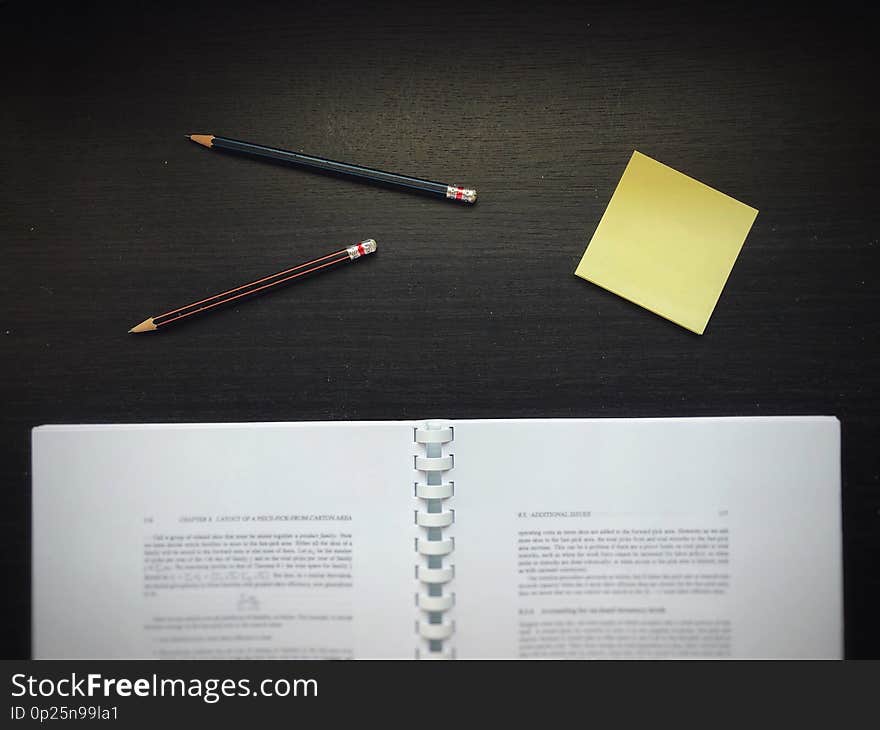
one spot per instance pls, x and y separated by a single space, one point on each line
693 537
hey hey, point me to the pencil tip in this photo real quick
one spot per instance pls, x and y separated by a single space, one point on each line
203 139
146 326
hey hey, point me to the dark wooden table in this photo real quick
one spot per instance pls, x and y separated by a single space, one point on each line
108 215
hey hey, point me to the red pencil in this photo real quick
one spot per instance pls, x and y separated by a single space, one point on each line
260 286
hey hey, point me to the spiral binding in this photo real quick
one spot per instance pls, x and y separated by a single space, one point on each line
434 570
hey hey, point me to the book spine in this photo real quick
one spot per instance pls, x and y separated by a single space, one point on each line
434 547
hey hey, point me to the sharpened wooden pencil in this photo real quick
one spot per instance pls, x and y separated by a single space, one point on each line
260 286
443 190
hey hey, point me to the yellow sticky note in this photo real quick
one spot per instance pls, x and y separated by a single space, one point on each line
667 242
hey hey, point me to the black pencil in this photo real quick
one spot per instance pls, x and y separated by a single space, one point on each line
260 286
443 190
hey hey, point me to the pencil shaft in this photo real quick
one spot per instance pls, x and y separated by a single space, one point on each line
250 287
327 165
246 290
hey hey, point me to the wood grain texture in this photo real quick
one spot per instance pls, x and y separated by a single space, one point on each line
108 214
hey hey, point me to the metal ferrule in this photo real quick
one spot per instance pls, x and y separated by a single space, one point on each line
465 195
361 249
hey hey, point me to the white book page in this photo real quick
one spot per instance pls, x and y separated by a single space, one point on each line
223 541
624 538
